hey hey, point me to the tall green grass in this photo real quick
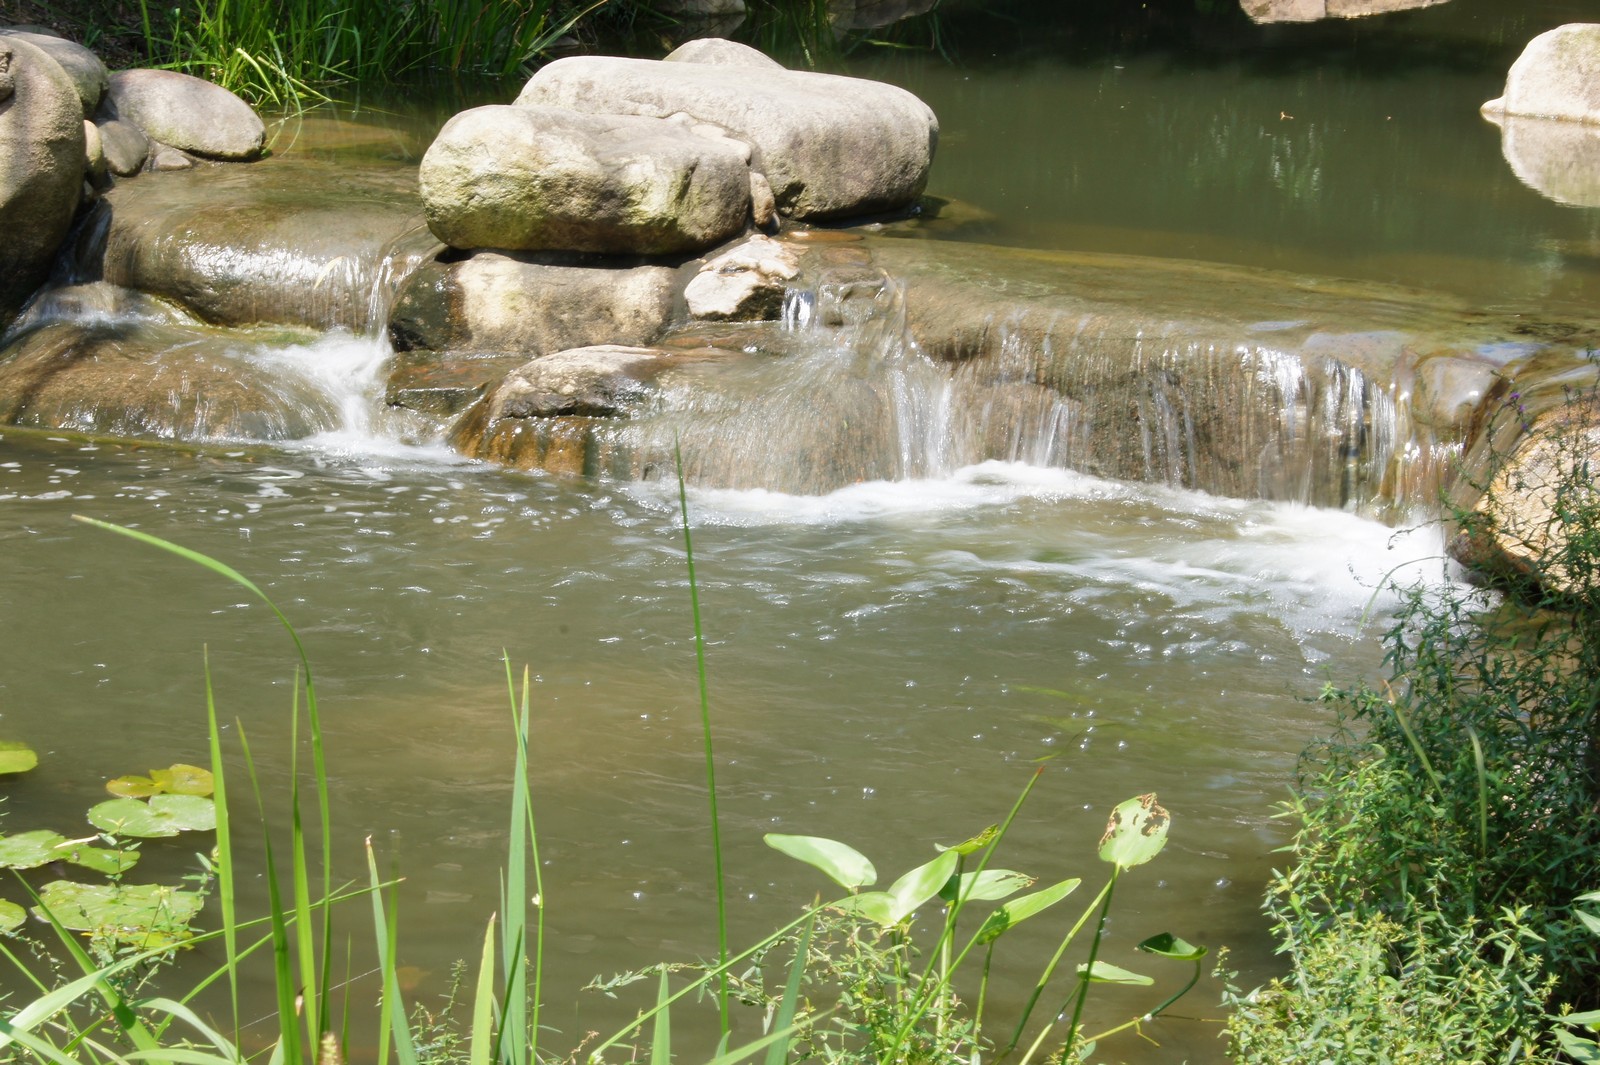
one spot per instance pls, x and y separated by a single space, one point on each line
287 53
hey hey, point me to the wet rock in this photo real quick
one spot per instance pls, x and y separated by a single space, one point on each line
160 381
531 305
540 416
187 113
125 145
1533 457
42 164
89 76
871 14
164 159
1312 10
294 242
829 146
444 387
531 178
718 52
746 283
94 151
1556 76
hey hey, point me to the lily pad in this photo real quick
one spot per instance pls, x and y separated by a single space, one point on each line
12 916
161 815
1135 832
29 850
16 757
176 779
101 859
143 914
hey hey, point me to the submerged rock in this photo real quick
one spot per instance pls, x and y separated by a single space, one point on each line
186 112
42 165
829 146
158 380
530 178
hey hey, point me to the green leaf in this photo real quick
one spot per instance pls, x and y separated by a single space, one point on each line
132 787
1106 973
1019 910
920 884
1583 1051
1167 945
29 850
847 866
181 779
12 916
976 843
101 859
990 885
1590 921
16 757
176 779
1135 832
144 914
875 906
1589 1018
162 815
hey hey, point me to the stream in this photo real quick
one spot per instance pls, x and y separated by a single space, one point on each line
889 661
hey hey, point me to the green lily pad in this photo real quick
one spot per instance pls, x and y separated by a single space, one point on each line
12 916
161 815
101 859
176 779
16 757
29 850
1135 832
144 914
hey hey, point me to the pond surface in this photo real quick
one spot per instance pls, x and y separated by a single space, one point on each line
888 662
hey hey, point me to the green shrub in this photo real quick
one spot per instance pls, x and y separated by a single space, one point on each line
1448 826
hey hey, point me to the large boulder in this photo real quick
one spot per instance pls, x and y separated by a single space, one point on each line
89 76
531 178
829 146
1556 76
494 304
42 164
186 112
1313 10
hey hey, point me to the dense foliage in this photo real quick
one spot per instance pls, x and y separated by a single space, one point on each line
1448 830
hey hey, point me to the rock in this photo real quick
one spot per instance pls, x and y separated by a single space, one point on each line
423 382
702 9
746 283
1312 10
717 52
830 146
126 147
491 304
1515 529
530 178
89 76
1556 76
94 151
293 242
1557 159
42 155
164 158
871 14
187 113
160 380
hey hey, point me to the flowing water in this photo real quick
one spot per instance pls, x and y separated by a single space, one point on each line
888 661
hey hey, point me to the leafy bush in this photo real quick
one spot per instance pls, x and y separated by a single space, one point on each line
1449 825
